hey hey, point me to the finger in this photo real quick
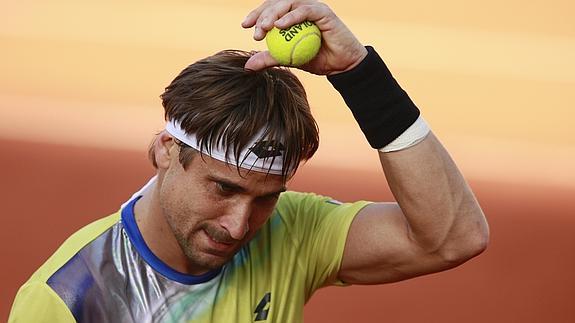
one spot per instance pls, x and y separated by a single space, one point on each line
311 12
250 19
268 16
253 16
273 13
259 61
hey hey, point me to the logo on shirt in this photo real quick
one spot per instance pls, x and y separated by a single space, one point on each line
263 308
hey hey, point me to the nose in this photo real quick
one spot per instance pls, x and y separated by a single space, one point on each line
236 220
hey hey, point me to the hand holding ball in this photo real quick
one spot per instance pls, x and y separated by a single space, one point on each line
296 45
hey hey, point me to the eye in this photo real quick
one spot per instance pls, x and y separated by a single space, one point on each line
224 188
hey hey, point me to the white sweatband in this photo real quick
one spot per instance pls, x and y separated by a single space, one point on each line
410 137
260 155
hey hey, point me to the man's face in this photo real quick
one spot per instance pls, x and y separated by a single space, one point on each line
212 210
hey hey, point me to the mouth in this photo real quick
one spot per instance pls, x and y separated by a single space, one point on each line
221 248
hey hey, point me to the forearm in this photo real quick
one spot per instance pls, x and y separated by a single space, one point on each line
439 207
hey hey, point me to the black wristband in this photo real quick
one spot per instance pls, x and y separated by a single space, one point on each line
380 106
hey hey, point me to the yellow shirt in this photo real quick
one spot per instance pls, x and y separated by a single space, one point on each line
106 273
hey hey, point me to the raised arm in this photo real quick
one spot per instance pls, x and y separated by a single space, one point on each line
436 223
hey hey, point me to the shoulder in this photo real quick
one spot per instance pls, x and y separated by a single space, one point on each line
37 302
292 203
307 211
73 245
48 294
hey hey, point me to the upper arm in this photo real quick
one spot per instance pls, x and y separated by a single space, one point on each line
380 248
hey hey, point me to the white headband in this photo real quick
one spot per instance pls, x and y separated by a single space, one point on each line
257 156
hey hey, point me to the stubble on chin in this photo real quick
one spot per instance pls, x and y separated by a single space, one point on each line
199 259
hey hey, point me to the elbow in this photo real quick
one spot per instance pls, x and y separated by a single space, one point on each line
479 235
463 251
477 245
470 244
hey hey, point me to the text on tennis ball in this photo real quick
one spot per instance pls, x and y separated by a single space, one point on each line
290 33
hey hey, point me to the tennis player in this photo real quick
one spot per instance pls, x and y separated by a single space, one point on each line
215 236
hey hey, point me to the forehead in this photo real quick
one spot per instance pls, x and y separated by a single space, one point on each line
251 180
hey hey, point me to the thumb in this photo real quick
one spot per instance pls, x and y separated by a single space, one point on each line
260 60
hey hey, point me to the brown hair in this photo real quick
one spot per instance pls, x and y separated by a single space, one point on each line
225 105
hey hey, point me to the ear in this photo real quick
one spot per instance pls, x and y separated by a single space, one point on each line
164 150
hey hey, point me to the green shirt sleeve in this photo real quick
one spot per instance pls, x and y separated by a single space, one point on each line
37 302
318 226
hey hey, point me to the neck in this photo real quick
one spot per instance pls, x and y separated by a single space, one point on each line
156 231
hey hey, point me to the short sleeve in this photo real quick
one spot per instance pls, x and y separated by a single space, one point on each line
37 302
318 225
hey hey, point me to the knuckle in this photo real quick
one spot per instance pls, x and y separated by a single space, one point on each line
306 9
259 21
323 5
327 12
262 19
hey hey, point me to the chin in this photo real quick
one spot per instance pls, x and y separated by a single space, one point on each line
208 261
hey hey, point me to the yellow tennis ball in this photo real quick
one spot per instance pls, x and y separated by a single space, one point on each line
296 45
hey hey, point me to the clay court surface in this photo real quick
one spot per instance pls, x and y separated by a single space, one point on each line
527 274
493 78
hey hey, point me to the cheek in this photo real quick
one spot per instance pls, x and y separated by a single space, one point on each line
176 207
260 216
186 205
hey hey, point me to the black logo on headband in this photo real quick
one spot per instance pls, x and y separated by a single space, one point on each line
267 149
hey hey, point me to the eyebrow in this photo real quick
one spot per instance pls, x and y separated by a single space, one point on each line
239 188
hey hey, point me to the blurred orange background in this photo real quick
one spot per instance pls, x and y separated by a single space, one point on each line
79 87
